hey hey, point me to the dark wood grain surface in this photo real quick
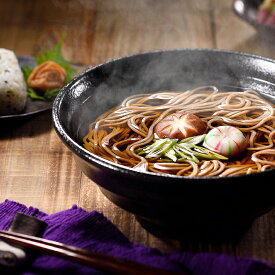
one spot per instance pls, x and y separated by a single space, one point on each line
37 169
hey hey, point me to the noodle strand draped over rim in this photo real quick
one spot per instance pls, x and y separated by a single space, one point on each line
116 134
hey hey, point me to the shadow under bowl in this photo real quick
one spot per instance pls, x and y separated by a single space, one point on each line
169 205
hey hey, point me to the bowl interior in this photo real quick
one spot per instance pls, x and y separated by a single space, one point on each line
103 87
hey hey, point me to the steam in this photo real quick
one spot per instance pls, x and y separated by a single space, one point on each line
105 86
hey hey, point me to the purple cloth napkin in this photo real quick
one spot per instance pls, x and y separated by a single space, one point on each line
92 231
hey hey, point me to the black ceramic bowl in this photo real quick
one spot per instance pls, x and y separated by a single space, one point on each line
167 203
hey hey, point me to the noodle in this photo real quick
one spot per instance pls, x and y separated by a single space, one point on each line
116 134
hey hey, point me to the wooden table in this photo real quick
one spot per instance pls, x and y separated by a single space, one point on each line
38 170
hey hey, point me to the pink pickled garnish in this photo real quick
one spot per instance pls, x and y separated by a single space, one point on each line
225 140
262 15
266 13
270 21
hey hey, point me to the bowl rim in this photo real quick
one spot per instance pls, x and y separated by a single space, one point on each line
93 159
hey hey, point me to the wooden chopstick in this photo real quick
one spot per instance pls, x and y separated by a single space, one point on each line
96 260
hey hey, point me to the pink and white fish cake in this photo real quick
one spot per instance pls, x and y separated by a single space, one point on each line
225 140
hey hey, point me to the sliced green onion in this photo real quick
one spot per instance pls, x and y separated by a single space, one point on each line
160 148
194 140
178 151
171 154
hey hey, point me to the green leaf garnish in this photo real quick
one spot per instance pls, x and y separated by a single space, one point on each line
48 95
178 151
26 70
34 95
55 55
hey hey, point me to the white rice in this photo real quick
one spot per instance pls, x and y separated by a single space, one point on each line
13 90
